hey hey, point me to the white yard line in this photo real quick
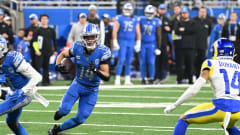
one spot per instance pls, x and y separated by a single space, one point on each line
107 113
158 130
117 132
124 96
122 126
131 104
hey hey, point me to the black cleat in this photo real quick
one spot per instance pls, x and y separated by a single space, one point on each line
144 81
150 81
57 116
54 130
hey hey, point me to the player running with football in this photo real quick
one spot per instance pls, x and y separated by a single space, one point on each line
22 80
224 75
125 30
150 43
92 65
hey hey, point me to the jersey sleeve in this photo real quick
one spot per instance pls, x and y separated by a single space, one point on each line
106 56
207 64
117 18
72 50
16 58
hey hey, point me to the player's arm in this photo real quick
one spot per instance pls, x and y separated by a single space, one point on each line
192 90
28 71
114 35
138 37
64 54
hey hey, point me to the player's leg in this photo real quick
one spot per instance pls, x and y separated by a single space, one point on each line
68 100
142 60
129 57
12 122
201 114
121 61
85 108
232 129
45 66
150 62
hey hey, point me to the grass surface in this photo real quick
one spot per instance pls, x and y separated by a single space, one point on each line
119 111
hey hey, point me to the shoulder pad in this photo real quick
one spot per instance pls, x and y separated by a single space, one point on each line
207 64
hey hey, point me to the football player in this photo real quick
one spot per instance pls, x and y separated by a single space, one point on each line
22 80
125 30
151 32
92 65
224 75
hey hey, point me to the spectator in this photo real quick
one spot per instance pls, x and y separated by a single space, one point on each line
216 32
5 31
108 31
203 31
44 46
8 21
231 31
162 60
29 32
18 38
92 18
185 53
77 29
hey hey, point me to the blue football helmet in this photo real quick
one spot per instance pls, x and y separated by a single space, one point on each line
222 49
127 9
90 36
3 47
149 12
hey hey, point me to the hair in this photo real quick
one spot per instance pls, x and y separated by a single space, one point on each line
233 12
44 15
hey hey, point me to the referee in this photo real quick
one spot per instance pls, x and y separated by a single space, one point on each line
44 44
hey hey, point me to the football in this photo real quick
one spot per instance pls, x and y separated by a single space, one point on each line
69 65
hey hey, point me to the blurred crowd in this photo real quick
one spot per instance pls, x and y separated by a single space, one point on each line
185 42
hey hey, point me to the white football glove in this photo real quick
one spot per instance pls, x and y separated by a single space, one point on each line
115 45
157 51
169 108
137 47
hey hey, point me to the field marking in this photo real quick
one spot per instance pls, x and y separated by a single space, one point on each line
131 104
158 130
117 132
68 133
106 113
122 126
124 96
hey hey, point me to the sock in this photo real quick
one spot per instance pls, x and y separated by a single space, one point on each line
233 131
20 130
180 128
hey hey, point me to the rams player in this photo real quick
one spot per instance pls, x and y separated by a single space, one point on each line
150 31
125 31
22 80
224 75
92 65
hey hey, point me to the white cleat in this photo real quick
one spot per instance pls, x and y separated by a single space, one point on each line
117 80
128 81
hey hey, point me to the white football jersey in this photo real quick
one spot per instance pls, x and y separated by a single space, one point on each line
224 78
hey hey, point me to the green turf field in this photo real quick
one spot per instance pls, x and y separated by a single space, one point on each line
119 111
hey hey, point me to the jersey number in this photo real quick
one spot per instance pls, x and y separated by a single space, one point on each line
147 29
88 73
235 82
128 26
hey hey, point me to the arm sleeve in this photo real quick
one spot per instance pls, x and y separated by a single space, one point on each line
72 50
35 41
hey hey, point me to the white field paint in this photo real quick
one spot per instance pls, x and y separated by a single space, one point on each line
117 132
122 126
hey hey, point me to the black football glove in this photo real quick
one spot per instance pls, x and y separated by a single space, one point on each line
60 68
92 67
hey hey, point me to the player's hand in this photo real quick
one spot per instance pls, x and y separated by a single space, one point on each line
16 95
115 45
60 68
169 108
38 53
137 47
92 67
157 52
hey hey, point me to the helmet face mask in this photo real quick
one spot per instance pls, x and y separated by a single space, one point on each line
127 9
3 47
90 36
149 12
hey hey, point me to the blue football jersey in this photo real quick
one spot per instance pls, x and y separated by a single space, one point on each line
127 29
83 74
148 29
12 61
